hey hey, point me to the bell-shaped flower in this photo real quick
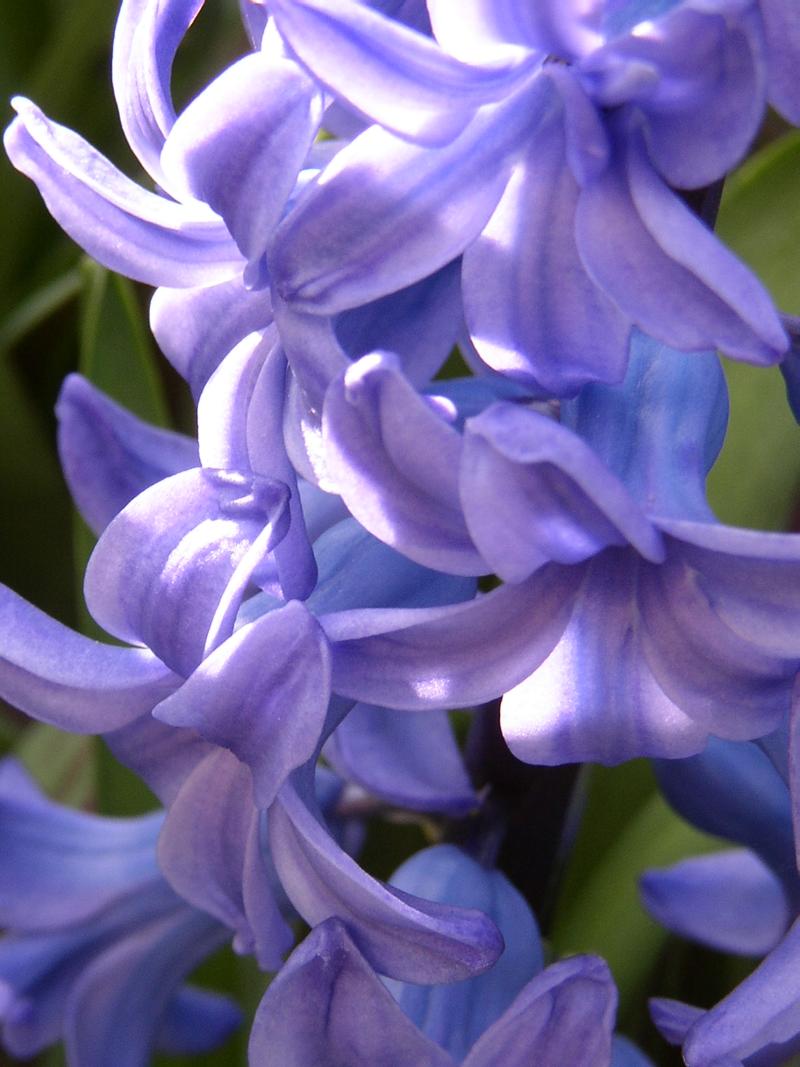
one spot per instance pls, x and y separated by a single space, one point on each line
513 1014
225 167
98 946
552 176
649 626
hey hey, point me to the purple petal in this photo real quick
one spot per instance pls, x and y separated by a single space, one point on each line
162 756
126 228
730 901
665 270
327 1006
146 39
782 28
625 1054
399 935
533 491
395 463
408 760
210 853
172 568
115 1009
595 697
385 213
197 328
239 695
59 676
390 74
478 28
240 145
704 94
532 310
108 455
564 1015
763 1011
727 681
452 656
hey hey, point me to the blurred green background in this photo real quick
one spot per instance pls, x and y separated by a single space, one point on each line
59 313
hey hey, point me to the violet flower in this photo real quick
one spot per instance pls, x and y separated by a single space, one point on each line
97 946
557 191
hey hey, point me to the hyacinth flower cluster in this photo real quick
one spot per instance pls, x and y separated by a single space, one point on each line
442 283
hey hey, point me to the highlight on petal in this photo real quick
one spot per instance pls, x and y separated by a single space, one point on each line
63 678
137 233
390 74
451 656
108 455
239 146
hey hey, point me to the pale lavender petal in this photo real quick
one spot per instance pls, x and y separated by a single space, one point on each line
702 91
126 228
409 760
452 656
240 426
666 270
395 462
115 1009
595 697
782 27
240 145
729 900
625 1054
480 28
564 1015
532 310
61 677
263 694
146 39
533 491
171 570
108 455
206 851
400 935
197 328
162 756
385 213
391 75
763 1011
328 1006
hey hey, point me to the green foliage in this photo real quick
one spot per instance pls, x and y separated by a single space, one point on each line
756 479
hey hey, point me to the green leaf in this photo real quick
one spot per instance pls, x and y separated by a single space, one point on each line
755 481
116 353
63 764
602 912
